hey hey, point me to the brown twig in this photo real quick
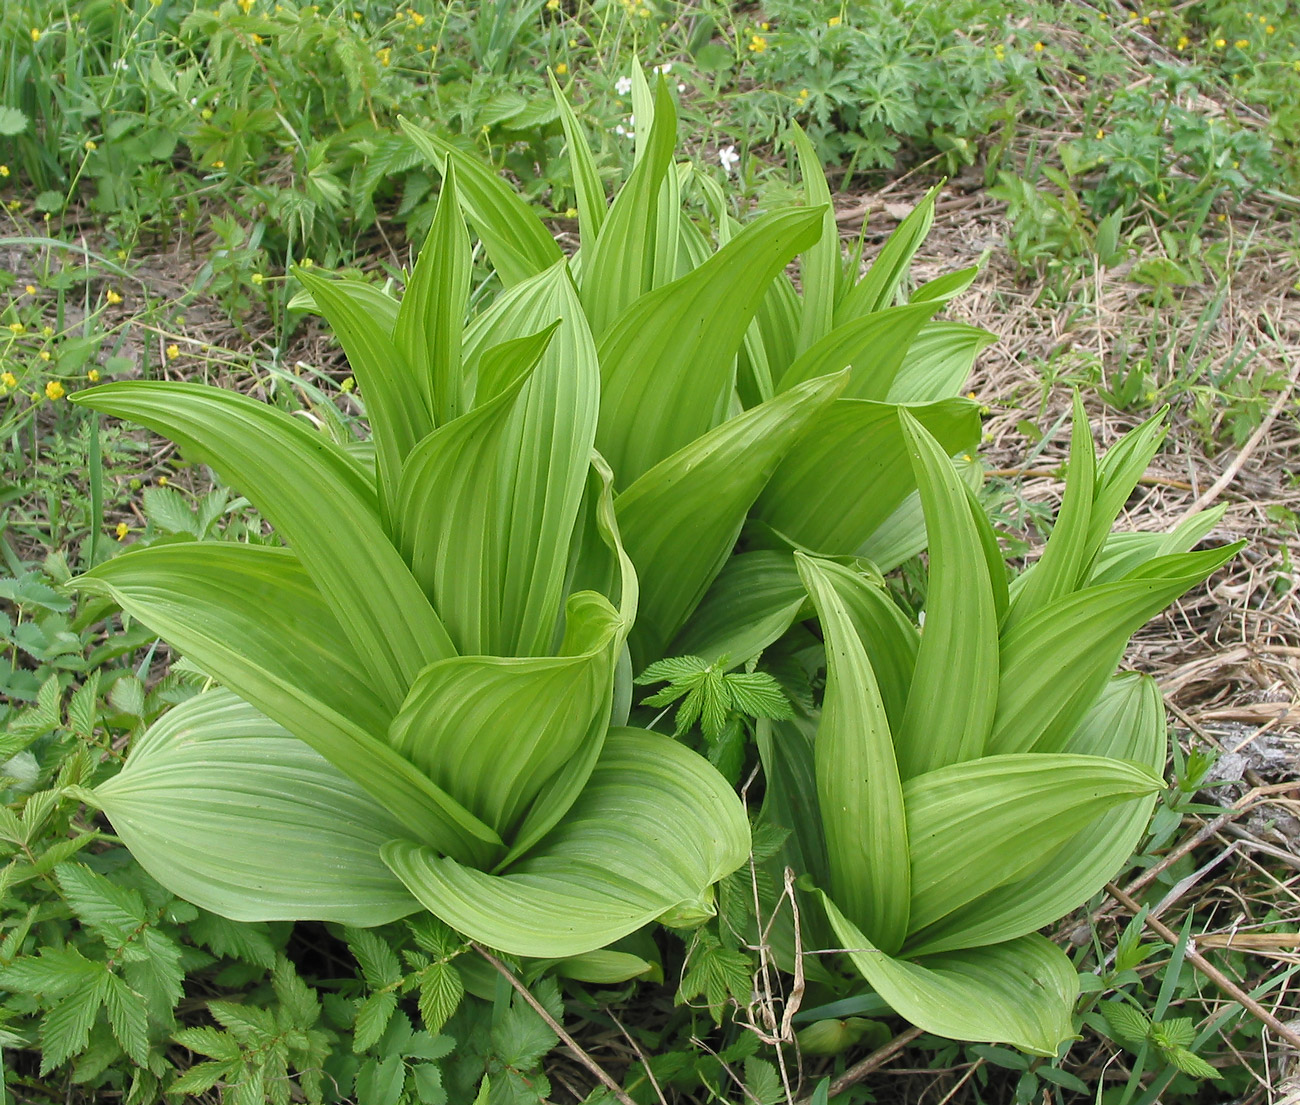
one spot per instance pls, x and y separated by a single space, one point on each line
1208 969
555 1026
872 1062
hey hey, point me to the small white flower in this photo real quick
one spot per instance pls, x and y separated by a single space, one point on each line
729 159
920 619
631 120
623 85
665 69
681 87
620 130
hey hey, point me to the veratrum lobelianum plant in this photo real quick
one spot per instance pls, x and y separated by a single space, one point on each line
984 777
424 688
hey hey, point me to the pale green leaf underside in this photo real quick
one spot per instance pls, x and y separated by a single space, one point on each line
231 812
655 826
1021 992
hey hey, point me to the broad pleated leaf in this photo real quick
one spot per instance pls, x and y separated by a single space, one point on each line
778 322
974 826
1066 556
947 286
492 730
546 451
516 240
319 503
1020 993
959 648
680 520
875 345
888 637
1118 474
902 535
1127 723
876 289
1056 663
858 789
655 826
431 318
451 515
938 362
367 296
252 619
398 419
602 565
586 178
849 473
618 267
1125 552
231 812
755 598
668 362
819 265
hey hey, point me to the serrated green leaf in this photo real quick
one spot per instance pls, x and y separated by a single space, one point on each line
111 912
127 1018
167 509
441 990
1191 1064
372 1018
1127 1022
65 1030
378 962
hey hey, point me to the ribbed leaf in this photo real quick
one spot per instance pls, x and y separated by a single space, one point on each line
680 520
382 306
668 362
231 812
516 240
755 598
655 826
1055 664
947 286
398 420
1127 723
959 648
876 345
1020 993
1125 552
492 730
977 825
618 267
431 318
1118 474
890 640
938 362
450 515
546 451
317 500
252 618
858 789
849 473
586 178
819 266
1059 570
875 291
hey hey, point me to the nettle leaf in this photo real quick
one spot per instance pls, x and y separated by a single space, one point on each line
113 913
441 990
378 962
716 973
1126 1022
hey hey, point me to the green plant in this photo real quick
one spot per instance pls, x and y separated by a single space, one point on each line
983 778
431 680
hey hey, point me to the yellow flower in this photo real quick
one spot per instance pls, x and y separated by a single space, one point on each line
803 95
1270 29
122 530
17 328
162 481
36 34
1100 134
1222 218
93 375
1220 42
1183 42
561 69
45 354
1263 19
307 262
4 170
1000 52
764 26
218 164
419 47
173 351
91 144
257 39
245 6
347 384
757 44
113 297
552 5
1241 43
833 21
1146 21
570 212
30 289
257 278
54 390
1039 47
417 19
1102 15
385 57
47 331
8 379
